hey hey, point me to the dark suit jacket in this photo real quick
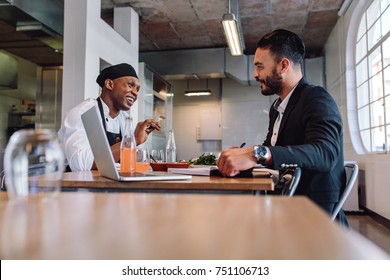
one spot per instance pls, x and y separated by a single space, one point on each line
311 136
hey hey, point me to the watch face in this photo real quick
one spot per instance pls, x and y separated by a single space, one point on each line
260 153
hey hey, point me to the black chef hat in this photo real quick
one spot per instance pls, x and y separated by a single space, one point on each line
116 71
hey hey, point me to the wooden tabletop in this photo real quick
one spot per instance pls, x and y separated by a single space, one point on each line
85 225
93 180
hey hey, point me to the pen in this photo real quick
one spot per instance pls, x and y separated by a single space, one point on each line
242 145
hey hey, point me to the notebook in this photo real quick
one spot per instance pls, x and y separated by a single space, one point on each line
209 171
201 171
104 159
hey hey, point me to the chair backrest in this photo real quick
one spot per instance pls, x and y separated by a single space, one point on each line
351 170
288 181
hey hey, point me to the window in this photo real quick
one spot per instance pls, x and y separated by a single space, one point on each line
372 64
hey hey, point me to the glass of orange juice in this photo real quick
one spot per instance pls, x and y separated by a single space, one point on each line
143 160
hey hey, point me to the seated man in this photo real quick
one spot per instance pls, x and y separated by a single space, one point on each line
305 126
120 88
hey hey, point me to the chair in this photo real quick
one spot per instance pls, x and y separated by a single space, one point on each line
288 181
351 170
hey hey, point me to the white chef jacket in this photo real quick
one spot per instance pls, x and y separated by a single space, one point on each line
74 139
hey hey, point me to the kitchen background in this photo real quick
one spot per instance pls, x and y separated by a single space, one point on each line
234 113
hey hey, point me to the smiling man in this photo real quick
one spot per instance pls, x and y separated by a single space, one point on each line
120 88
305 126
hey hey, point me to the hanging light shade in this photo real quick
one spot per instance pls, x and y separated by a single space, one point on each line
197 92
231 29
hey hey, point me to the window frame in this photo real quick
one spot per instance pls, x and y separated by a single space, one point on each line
363 76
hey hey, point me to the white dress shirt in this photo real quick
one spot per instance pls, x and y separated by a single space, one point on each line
72 135
279 106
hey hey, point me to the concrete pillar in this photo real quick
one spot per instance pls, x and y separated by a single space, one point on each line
87 40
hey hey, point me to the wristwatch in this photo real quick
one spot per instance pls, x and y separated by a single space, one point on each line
260 153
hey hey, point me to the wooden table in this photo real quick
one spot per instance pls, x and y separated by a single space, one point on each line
93 181
85 225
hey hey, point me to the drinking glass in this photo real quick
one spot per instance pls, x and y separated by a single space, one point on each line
158 155
143 160
33 163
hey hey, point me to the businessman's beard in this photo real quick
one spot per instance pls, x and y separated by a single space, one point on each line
272 84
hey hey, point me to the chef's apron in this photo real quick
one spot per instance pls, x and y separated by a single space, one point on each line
112 138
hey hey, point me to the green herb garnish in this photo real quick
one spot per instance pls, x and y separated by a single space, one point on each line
208 159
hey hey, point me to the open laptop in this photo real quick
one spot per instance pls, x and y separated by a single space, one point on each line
104 159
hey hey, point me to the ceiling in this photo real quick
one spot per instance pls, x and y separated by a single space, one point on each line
184 24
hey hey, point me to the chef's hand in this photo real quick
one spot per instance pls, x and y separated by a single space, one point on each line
143 129
232 161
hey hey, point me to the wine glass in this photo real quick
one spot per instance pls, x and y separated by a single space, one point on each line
158 155
143 160
33 163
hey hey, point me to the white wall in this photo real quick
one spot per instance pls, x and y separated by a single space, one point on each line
244 114
187 113
374 177
314 71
